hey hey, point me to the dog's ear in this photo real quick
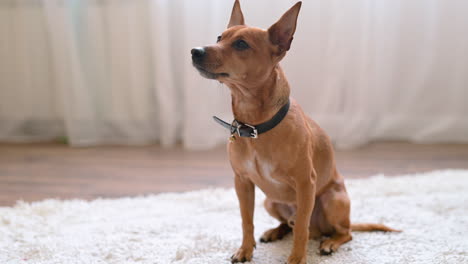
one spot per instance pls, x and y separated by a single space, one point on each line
237 18
281 33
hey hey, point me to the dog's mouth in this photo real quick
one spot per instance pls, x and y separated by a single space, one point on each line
209 75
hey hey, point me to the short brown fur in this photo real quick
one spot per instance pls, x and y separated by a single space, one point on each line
293 164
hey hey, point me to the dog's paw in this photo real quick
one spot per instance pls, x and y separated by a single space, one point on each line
327 247
275 233
332 244
242 255
294 259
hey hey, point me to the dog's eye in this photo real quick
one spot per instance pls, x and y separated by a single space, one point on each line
219 39
240 45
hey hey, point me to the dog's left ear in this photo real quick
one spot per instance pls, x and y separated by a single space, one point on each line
281 33
237 18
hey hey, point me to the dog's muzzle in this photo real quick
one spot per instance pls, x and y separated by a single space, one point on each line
199 55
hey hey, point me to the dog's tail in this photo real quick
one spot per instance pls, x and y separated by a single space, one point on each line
372 227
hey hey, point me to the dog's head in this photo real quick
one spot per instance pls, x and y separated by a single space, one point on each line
244 54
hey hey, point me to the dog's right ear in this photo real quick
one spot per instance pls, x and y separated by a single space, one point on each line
237 18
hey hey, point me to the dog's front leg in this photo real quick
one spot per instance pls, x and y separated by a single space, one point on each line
245 190
305 199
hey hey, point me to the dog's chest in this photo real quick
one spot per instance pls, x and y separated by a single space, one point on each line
269 177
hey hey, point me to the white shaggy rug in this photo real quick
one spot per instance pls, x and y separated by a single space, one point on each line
203 227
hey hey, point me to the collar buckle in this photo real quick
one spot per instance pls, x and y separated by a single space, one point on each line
243 130
254 133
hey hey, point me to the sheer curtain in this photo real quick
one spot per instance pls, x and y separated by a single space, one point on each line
119 71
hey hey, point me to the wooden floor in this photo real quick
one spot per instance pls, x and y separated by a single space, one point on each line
37 171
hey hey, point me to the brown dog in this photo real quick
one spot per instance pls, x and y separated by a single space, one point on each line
292 161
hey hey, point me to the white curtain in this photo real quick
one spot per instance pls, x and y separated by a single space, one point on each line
119 71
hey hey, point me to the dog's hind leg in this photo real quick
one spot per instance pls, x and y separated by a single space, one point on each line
336 209
282 212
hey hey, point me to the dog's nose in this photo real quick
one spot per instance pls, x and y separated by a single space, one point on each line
198 54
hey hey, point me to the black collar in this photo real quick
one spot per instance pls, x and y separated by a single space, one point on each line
252 131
